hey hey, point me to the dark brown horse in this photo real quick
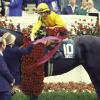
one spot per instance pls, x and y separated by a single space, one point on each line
86 53
82 50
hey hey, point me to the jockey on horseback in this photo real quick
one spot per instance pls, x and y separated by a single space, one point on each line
52 22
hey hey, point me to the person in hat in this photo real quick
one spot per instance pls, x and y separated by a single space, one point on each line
6 78
48 19
13 55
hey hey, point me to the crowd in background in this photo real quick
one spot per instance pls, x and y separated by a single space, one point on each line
15 7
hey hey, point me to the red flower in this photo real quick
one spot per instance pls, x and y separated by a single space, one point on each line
84 19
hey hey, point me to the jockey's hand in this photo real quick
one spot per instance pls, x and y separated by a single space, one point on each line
50 28
32 37
52 42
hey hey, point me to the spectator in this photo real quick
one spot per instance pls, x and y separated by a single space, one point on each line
71 8
91 8
2 8
59 4
12 55
83 9
15 8
53 5
6 79
24 5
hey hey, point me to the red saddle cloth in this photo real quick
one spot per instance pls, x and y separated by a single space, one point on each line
32 83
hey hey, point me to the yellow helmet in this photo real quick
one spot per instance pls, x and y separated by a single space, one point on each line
42 7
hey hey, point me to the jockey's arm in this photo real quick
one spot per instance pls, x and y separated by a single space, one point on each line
35 28
58 22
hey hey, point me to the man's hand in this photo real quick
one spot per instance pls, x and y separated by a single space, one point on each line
12 84
51 42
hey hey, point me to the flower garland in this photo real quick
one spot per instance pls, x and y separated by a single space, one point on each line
32 83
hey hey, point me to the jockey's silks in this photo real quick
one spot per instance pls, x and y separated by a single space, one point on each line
52 20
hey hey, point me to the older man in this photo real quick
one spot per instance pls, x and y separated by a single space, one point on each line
71 8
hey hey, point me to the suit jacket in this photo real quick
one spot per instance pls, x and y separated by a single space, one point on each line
15 8
13 59
5 76
81 11
56 7
68 10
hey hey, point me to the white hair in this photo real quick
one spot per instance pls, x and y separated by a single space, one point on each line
91 1
10 38
2 41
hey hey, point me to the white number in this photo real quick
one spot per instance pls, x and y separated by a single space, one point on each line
68 50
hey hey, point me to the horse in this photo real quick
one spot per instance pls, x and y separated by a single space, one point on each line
86 52
82 50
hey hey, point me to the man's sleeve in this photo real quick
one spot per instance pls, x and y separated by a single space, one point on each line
23 51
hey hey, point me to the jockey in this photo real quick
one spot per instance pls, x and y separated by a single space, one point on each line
52 22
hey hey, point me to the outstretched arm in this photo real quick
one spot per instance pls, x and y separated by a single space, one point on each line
23 51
